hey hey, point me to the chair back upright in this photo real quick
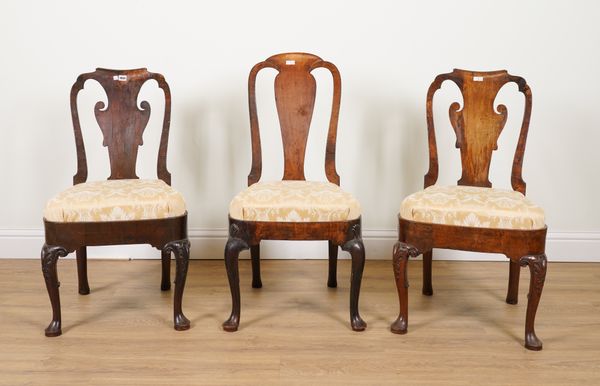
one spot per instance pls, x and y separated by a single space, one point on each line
295 91
122 122
478 125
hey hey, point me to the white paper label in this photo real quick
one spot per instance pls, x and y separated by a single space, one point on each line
478 79
290 62
120 78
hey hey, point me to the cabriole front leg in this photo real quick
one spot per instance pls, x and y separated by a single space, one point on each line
537 267
235 244
49 256
356 249
181 249
402 251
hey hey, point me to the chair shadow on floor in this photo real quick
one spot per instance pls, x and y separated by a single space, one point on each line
459 306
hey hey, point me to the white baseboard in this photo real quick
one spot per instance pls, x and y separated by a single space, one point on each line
209 243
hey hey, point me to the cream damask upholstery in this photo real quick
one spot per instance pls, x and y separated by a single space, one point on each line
115 200
472 207
294 201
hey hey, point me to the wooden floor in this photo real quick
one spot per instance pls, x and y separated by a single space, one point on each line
295 330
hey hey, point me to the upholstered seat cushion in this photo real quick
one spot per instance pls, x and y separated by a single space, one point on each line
294 201
115 200
473 207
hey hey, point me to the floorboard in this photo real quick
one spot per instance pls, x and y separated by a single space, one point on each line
295 330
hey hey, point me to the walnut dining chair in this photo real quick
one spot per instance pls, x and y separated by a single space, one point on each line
293 208
473 216
123 209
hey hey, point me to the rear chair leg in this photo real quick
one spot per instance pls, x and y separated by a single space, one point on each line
333 257
427 262
81 256
165 283
255 255
512 296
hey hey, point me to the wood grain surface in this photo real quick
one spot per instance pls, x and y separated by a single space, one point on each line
296 329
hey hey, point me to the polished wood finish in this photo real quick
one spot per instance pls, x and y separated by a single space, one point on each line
463 334
122 124
477 125
295 90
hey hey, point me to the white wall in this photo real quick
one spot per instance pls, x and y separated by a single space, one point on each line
388 52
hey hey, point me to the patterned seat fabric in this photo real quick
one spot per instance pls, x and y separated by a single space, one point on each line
294 201
472 207
115 200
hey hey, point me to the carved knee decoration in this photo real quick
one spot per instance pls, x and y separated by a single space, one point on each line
181 249
402 252
537 267
49 256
